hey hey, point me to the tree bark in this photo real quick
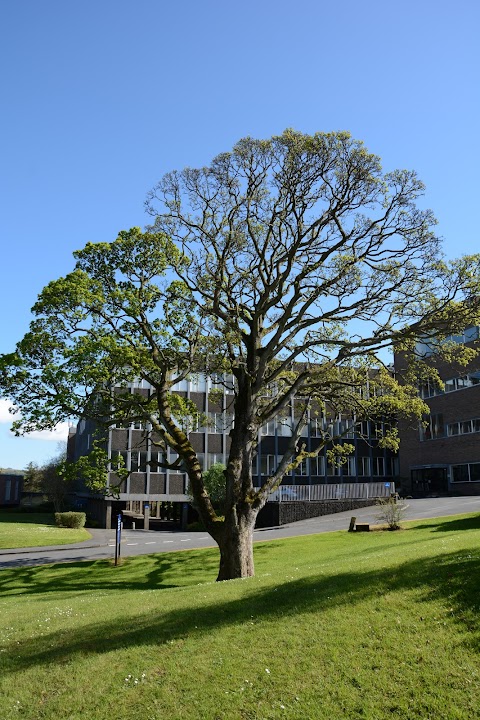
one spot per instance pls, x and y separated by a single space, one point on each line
236 544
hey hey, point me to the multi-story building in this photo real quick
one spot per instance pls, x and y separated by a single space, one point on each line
11 486
442 455
148 484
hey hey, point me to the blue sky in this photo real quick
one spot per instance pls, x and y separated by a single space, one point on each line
101 98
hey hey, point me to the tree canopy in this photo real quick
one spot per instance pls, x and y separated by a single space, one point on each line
291 264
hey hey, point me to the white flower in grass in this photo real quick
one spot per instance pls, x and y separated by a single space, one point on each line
267 671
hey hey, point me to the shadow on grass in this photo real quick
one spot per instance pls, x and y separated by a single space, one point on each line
142 572
452 577
29 518
471 522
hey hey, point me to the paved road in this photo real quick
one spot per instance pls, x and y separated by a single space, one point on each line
141 542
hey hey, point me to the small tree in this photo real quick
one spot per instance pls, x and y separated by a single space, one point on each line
55 482
391 511
32 478
289 263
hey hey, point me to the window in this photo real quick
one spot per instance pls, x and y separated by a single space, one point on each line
463 427
392 466
433 429
429 389
284 427
214 458
216 422
156 461
466 473
316 427
8 490
317 465
364 466
453 429
116 456
180 386
302 469
198 383
269 428
333 469
471 334
268 465
379 466
363 429
350 467
474 469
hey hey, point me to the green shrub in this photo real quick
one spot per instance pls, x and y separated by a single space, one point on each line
70 519
391 511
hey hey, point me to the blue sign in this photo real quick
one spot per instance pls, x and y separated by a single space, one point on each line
387 484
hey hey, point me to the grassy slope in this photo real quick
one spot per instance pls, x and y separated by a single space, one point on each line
379 625
20 530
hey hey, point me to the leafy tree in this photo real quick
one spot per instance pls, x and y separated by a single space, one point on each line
55 482
214 480
32 477
290 263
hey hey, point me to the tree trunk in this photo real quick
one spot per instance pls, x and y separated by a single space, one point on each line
236 544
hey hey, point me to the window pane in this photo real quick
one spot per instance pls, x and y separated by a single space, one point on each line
475 472
460 473
471 334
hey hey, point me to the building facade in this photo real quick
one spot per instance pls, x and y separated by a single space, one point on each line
148 484
442 455
11 487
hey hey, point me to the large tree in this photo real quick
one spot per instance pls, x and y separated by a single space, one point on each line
291 264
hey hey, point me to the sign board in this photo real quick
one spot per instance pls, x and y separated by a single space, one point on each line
387 485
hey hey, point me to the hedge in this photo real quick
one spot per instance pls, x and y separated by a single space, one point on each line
70 519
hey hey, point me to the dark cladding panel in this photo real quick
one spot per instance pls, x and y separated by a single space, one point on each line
137 483
215 443
199 399
198 442
119 439
157 484
176 483
139 440
114 480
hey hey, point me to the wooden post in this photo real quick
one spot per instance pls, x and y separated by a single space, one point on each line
352 524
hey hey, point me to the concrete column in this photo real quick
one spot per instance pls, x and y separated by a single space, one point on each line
146 515
108 514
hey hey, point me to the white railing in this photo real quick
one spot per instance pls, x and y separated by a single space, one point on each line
353 491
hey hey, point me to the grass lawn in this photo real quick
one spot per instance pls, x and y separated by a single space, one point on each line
334 626
19 530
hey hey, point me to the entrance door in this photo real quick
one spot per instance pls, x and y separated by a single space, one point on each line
429 481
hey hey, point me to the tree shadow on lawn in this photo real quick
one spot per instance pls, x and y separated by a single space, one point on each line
145 572
452 577
471 522
27 518
141 572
